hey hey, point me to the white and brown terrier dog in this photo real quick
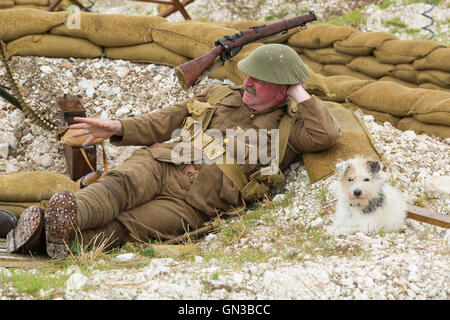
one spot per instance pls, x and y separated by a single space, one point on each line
365 202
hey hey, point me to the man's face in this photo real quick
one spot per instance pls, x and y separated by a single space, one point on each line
260 95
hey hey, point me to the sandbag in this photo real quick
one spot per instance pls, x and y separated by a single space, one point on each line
362 43
440 78
386 96
370 66
340 69
355 139
148 53
33 186
316 85
437 59
223 73
246 24
317 36
379 117
432 86
35 2
328 56
298 50
315 66
46 45
15 23
341 87
398 81
16 208
6 3
432 107
405 72
112 30
231 64
189 38
404 51
409 123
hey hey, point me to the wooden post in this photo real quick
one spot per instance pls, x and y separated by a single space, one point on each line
76 164
176 6
428 216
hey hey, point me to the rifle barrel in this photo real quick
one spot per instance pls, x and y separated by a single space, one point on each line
190 71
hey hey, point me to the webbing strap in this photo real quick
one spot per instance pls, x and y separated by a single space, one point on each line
286 124
105 158
218 94
234 172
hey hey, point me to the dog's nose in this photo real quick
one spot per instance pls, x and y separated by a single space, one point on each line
357 192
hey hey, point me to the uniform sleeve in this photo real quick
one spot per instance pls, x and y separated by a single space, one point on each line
150 128
154 127
315 129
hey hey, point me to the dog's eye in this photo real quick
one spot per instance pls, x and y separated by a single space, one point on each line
350 179
366 179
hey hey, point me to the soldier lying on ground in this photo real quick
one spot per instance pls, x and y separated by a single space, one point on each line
153 196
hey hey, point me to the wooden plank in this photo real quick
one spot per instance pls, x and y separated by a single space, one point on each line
428 216
9 260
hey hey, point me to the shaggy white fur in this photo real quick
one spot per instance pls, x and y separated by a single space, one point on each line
365 202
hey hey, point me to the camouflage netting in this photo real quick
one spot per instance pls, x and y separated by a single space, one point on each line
404 82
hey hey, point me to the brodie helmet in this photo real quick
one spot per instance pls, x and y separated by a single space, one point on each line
275 63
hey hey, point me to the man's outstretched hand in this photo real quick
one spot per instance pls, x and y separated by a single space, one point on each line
96 128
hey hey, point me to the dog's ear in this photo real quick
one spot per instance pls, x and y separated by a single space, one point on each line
375 166
341 167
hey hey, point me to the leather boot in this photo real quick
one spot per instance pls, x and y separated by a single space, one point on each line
28 235
60 218
7 222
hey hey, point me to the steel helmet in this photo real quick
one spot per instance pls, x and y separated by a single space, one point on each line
275 63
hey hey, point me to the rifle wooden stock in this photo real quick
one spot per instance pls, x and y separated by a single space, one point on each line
189 72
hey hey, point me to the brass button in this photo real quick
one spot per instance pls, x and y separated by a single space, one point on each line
269 132
252 116
225 140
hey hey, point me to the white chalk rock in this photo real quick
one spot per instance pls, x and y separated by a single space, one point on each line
4 150
46 69
44 161
76 281
438 186
121 72
125 257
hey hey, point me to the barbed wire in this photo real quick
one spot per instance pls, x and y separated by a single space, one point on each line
429 17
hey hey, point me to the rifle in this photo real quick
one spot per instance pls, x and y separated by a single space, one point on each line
227 47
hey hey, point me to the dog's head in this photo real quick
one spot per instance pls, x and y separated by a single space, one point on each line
360 180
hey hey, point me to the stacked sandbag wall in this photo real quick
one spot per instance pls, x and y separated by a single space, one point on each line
405 82
34 4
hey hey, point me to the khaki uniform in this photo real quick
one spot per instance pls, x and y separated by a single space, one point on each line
154 199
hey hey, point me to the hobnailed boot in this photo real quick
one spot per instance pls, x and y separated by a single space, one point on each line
60 218
28 235
7 222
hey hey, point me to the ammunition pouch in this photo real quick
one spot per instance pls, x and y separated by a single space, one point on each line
198 112
257 185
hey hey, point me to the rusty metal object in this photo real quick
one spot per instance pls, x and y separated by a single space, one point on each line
76 165
56 3
176 6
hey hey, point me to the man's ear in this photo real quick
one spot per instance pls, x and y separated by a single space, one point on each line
282 93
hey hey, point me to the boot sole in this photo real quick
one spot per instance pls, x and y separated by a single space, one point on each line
60 219
27 233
